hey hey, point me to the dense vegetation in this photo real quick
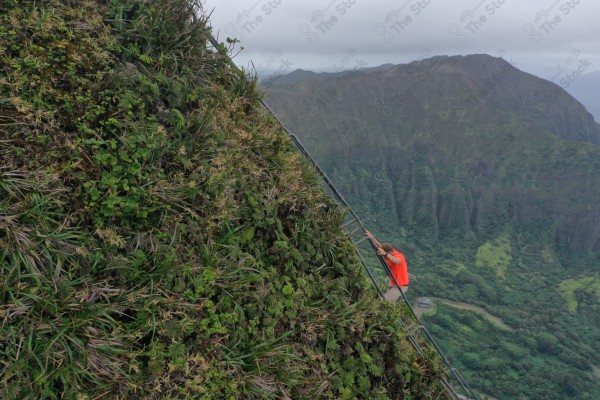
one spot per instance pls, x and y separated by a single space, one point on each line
159 235
490 206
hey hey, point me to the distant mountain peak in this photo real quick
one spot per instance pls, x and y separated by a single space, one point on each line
296 76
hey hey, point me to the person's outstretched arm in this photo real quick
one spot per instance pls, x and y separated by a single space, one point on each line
375 241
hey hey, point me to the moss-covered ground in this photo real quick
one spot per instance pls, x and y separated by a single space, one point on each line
159 236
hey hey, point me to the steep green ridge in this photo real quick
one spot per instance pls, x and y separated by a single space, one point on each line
488 178
160 238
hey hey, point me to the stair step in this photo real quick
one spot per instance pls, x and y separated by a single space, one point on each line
360 240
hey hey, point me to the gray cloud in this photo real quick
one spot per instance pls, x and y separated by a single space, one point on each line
291 34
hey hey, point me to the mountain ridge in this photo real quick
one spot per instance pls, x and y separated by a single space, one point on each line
488 101
546 108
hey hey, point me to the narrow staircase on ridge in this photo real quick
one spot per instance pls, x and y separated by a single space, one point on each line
454 385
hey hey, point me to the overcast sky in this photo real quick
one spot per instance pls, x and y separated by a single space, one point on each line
552 38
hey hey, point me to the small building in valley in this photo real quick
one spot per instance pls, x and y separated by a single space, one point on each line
424 302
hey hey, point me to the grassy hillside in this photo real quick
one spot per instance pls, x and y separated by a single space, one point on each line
493 201
160 238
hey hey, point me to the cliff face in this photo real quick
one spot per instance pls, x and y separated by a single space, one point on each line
159 236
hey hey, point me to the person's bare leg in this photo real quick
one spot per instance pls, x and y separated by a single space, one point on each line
393 294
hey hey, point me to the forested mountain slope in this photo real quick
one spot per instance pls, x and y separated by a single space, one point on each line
160 237
489 179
